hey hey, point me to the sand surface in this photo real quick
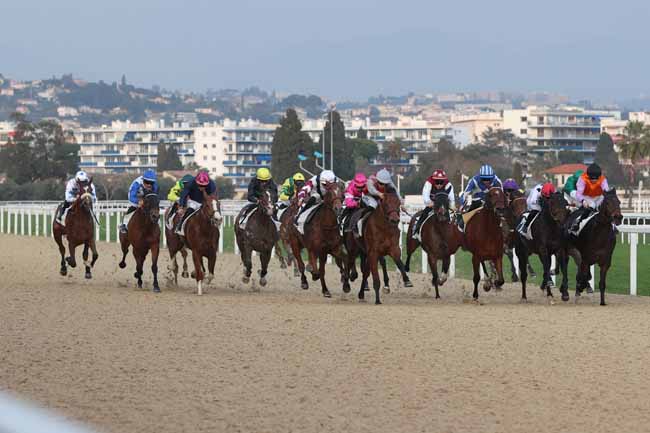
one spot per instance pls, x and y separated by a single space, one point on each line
283 359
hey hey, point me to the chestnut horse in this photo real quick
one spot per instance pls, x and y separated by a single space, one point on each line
174 245
484 237
440 239
286 222
143 234
380 237
79 229
547 241
202 237
596 243
322 237
260 234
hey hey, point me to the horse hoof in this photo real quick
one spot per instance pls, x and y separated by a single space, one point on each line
245 279
377 302
63 272
408 283
590 291
156 289
185 274
346 288
88 275
487 287
122 265
353 276
498 289
386 289
362 300
515 278
565 298
262 281
603 304
327 293
71 262
139 285
315 276
304 286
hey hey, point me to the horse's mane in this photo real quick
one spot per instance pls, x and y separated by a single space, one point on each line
390 190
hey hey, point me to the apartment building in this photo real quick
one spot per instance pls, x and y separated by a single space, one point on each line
6 132
468 128
125 147
247 147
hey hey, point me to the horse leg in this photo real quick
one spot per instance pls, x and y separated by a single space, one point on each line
547 282
365 271
198 271
603 279
265 257
582 278
185 273
278 254
295 249
513 271
322 261
396 254
93 248
84 254
487 284
71 258
342 262
446 262
563 261
155 250
174 266
313 267
373 261
476 263
124 244
59 241
139 265
246 258
212 260
384 271
522 255
498 264
433 265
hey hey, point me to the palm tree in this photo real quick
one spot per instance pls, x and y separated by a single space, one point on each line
635 145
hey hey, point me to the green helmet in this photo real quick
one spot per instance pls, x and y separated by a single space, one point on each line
187 179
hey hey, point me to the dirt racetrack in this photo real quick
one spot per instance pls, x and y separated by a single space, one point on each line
126 360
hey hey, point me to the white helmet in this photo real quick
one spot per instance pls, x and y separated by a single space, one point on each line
384 176
82 176
327 176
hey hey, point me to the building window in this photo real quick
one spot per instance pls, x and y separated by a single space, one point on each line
540 120
214 133
214 146
523 131
230 148
205 146
205 157
214 158
524 118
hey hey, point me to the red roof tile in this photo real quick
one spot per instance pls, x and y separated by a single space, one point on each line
566 169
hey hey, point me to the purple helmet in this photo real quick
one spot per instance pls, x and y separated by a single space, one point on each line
510 184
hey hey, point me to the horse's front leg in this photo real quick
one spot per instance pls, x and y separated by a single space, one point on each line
343 262
313 266
198 271
71 258
265 258
396 254
185 273
603 281
155 251
547 282
124 245
498 263
295 249
139 266
212 261
373 261
246 258
433 265
563 261
278 253
59 241
446 262
322 261
522 256
384 270
476 264
365 272
513 270
84 255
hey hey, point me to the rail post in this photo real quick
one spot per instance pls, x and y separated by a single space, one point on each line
634 240
452 266
424 261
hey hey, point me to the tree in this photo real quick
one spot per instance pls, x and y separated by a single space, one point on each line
364 148
289 141
607 158
635 144
343 160
570 157
362 133
393 151
518 173
168 158
225 188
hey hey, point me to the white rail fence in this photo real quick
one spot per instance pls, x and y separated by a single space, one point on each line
35 219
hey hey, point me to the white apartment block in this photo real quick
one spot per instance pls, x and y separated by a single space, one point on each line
469 128
126 147
6 131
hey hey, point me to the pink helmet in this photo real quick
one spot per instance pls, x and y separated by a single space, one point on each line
202 179
359 180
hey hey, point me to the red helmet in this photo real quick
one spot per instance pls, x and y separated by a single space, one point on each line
202 178
548 189
439 177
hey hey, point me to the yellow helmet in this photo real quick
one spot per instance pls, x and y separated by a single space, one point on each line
263 173
299 176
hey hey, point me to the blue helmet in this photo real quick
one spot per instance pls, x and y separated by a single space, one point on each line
149 176
486 172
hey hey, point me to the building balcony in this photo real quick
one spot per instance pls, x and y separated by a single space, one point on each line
109 152
88 164
230 163
234 175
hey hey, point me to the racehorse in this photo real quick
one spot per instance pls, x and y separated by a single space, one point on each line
596 242
516 206
143 234
484 238
201 236
440 239
322 237
260 234
79 229
286 221
380 237
175 244
547 240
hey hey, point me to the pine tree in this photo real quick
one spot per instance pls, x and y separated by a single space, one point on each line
288 142
343 149
607 158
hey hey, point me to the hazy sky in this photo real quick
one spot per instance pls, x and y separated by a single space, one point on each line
336 48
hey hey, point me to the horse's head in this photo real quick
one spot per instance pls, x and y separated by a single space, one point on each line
495 199
333 197
265 204
212 209
391 205
556 205
151 207
611 207
441 206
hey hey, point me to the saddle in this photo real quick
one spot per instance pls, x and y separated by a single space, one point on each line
580 223
181 231
246 216
306 217
418 235
60 214
528 234
469 215
357 221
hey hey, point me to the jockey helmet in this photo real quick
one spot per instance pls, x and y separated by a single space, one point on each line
187 179
486 172
359 180
594 171
383 176
440 177
298 177
263 174
327 176
548 189
82 177
202 179
510 184
149 176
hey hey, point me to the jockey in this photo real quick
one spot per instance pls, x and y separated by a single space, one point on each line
437 183
376 186
192 196
291 186
175 194
510 186
315 189
570 187
353 193
479 185
589 193
73 188
533 203
141 186
257 187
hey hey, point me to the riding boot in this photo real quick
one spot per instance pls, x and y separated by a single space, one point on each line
309 203
460 222
527 221
189 211
418 224
130 210
64 206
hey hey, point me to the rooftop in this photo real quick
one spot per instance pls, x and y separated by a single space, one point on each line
566 169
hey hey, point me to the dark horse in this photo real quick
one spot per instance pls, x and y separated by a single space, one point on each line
380 237
547 241
596 243
143 234
174 245
286 222
484 237
260 234
202 237
440 239
353 249
79 229
515 208
322 237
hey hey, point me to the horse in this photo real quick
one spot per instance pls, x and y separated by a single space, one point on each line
484 238
440 239
79 229
516 206
380 237
322 237
547 241
286 221
596 242
201 236
143 234
174 245
260 234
